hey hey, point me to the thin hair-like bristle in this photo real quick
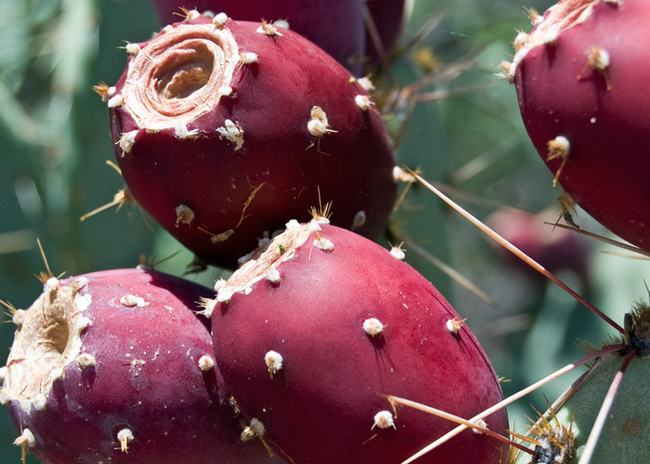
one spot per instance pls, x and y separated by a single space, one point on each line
322 212
11 309
121 197
514 397
43 276
517 252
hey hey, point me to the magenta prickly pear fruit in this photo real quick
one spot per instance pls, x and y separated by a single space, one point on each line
336 26
225 130
317 326
578 75
116 367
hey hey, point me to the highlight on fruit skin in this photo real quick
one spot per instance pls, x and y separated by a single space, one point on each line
351 322
577 75
224 133
117 366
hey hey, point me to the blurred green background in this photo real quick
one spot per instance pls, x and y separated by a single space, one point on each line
54 144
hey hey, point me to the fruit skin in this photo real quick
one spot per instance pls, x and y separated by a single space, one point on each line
319 407
238 189
600 111
389 18
336 26
142 372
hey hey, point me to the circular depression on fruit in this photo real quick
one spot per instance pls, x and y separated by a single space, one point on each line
176 77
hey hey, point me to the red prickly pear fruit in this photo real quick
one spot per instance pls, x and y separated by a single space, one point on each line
115 366
316 327
578 75
336 26
225 130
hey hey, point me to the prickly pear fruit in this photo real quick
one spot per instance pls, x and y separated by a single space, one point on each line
556 250
336 26
317 326
388 20
577 76
115 366
225 130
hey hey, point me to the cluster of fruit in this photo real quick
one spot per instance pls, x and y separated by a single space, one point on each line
579 76
258 145
237 137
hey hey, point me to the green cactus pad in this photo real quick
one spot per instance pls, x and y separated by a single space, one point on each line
626 435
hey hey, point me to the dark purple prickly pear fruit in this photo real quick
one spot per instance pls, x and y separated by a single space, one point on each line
336 26
388 19
225 130
316 327
116 367
579 75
